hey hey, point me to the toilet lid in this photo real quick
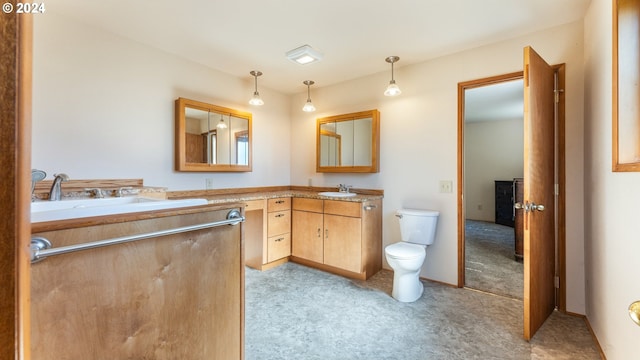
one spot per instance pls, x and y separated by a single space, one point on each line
403 250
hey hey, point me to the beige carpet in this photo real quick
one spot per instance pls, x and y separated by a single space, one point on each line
490 264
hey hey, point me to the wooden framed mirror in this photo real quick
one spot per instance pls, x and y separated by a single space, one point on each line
626 90
348 143
211 138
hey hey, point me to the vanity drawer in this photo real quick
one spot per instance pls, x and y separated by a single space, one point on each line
304 204
278 204
254 205
344 208
278 223
278 247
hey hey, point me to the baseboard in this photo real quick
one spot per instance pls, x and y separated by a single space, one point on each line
593 334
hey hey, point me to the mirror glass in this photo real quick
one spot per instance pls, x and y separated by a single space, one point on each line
211 138
626 91
348 142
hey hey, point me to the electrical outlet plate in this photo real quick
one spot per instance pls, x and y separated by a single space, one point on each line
209 183
446 186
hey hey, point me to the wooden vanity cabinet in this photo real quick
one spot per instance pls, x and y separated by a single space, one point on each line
342 237
268 232
307 229
255 213
278 229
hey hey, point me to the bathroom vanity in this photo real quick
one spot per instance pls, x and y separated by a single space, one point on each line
338 234
172 296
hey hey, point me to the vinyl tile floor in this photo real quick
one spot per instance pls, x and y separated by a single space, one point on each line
295 312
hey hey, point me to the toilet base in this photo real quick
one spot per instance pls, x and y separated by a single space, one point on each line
407 287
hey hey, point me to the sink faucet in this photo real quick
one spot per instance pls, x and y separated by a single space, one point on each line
54 194
344 188
121 190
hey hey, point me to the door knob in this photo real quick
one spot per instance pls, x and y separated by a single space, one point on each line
533 206
528 207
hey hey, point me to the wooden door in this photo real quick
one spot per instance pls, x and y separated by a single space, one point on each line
306 235
539 228
343 242
15 156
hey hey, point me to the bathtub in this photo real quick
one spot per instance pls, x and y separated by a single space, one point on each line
42 211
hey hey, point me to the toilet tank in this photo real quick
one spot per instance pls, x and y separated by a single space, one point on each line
418 226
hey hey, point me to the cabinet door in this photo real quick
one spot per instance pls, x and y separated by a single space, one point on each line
306 233
342 242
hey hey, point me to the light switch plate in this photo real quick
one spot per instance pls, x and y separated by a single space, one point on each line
446 186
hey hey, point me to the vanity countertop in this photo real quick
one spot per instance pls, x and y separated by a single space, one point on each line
215 197
220 199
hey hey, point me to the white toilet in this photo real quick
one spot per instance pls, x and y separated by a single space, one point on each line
417 231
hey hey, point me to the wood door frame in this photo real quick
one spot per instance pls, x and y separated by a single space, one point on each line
560 168
15 158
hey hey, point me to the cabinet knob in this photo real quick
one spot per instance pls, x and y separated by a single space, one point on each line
279 215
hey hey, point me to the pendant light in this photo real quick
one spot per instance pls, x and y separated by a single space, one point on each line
256 100
221 123
392 89
308 106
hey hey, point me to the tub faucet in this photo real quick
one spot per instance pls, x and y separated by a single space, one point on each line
97 192
55 192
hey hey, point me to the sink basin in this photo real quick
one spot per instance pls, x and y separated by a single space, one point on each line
337 194
71 209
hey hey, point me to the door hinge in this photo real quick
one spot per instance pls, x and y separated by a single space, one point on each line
556 281
556 189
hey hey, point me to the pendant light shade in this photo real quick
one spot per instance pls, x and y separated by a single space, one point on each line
256 100
308 106
392 89
221 123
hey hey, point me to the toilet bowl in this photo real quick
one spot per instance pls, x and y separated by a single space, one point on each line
417 229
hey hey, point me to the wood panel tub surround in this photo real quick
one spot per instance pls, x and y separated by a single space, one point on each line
172 297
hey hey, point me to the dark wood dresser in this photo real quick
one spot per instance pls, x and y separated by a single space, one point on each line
518 193
504 202
508 192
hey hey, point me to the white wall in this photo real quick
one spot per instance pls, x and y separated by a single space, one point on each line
419 140
493 151
611 219
103 108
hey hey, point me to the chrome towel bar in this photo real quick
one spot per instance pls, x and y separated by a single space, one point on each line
41 247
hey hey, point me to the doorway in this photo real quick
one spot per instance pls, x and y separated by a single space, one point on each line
560 190
493 167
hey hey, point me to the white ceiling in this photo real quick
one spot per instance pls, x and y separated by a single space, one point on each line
502 101
237 36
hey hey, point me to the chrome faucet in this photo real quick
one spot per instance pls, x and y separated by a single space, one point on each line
56 191
121 190
344 188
